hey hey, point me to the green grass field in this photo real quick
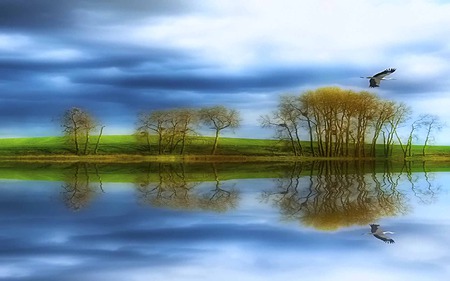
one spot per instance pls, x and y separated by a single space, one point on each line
122 147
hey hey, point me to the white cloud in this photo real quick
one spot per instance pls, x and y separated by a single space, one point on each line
251 32
11 42
58 54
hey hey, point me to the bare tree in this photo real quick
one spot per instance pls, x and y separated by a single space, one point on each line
219 118
78 125
287 122
400 115
172 128
384 111
188 121
153 122
414 127
431 124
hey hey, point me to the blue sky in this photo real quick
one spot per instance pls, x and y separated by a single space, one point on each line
118 58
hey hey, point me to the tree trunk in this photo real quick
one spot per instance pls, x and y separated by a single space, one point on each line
183 143
86 142
77 146
98 140
216 140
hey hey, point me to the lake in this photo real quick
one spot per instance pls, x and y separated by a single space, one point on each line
287 221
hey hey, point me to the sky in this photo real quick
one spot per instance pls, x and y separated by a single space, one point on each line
116 59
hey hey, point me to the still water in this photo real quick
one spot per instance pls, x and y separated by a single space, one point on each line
301 222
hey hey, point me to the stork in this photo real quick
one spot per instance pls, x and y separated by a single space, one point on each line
377 232
374 81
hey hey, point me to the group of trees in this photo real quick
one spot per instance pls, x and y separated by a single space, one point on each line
343 123
326 122
172 127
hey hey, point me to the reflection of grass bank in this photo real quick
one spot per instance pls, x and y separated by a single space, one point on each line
125 148
135 172
200 171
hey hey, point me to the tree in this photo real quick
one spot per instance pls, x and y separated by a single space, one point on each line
384 111
400 114
219 118
78 125
172 128
431 124
187 121
414 126
286 119
153 122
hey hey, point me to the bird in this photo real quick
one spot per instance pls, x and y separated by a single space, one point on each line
374 81
376 231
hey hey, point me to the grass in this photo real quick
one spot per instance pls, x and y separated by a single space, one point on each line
126 148
128 145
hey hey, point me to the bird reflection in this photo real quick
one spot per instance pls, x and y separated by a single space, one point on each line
377 232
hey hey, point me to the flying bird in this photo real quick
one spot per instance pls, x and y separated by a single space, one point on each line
376 231
374 81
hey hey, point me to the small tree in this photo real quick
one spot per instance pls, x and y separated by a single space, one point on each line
286 120
219 118
78 125
431 124
187 121
153 122
172 127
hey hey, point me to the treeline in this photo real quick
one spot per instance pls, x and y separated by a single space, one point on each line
326 122
172 128
345 123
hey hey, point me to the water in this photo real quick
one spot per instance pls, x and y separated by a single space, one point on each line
307 223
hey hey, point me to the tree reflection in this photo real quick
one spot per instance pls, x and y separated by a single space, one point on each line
174 190
79 188
324 195
339 194
424 190
219 199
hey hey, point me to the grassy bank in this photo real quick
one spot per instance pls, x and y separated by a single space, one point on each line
126 148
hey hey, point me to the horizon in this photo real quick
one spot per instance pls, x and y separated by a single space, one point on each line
116 59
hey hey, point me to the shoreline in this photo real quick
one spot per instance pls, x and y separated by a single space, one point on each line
129 158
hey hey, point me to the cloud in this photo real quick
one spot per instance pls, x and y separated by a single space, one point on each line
117 58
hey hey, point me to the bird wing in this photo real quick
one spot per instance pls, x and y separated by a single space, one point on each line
384 238
379 233
374 82
384 73
374 227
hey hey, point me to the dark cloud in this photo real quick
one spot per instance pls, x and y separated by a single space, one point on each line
256 81
33 15
48 15
97 57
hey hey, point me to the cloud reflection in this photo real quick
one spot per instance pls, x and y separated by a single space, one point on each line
115 238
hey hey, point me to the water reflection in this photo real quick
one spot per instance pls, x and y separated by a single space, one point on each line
325 195
161 222
173 190
378 233
79 188
337 194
